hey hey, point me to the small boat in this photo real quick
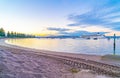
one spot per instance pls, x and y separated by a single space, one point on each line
95 38
88 38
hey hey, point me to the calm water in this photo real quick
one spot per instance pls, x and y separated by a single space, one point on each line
97 47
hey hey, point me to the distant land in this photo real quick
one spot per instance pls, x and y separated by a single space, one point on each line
63 36
77 34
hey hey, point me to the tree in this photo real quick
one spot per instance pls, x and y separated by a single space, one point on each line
18 35
2 32
8 34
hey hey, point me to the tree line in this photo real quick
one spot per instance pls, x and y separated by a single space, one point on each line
14 34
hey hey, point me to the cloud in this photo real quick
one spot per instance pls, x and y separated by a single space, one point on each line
70 32
57 29
75 33
107 16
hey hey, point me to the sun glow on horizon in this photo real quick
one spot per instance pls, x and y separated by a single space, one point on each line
45 32
112 34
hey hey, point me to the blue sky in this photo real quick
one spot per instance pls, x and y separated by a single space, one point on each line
60 16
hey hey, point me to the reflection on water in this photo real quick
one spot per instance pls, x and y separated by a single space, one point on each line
114 44
97 47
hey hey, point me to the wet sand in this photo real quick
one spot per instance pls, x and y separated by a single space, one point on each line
20 62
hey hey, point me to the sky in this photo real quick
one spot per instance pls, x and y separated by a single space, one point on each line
58 17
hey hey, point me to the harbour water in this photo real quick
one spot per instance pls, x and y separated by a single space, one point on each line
78 45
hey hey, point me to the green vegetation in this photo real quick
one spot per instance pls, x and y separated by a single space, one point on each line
18 35
74 70
2 32
14 34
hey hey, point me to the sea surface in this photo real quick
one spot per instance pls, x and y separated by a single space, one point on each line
78 45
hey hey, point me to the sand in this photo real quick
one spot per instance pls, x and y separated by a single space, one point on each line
20 62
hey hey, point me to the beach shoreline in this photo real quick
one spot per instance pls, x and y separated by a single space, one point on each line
99 58
86 56
27 61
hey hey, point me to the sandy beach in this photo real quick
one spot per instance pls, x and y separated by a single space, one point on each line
20 62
